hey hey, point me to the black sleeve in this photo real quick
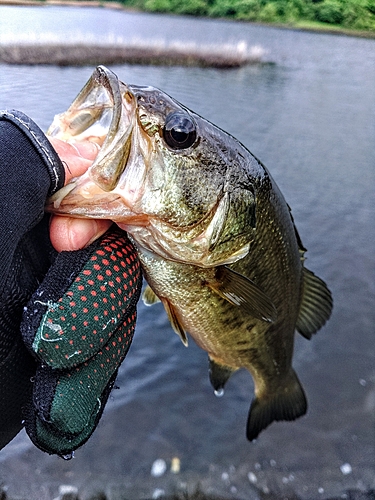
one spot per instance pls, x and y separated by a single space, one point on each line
30 170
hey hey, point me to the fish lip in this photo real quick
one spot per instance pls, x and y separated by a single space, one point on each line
98 207
116 147
104 93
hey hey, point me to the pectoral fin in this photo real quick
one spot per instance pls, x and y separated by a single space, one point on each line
149 296
242 292
175 322
316 305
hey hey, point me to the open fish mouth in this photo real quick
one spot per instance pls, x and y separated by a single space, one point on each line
104 112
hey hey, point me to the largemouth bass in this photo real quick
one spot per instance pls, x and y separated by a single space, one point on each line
215 237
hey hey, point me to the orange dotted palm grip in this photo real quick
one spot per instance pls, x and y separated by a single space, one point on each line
83 320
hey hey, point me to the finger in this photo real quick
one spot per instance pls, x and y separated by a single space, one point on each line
70 234
86 149
74 166
76 157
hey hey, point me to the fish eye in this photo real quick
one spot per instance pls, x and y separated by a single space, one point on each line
179 131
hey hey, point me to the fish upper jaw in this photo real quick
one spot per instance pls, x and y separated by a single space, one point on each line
104 112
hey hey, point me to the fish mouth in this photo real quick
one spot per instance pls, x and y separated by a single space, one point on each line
104 112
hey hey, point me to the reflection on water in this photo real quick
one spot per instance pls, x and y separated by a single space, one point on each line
310 119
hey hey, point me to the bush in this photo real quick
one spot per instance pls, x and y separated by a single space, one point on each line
371 6
357 14
269 13
304 8
158 5
239 9
329 11
192 7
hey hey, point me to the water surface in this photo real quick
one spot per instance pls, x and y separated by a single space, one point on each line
309 117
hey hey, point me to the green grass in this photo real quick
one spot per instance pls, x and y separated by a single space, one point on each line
332 28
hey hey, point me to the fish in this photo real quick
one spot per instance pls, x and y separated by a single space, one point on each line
216 239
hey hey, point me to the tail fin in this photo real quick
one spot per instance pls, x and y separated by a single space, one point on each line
288 403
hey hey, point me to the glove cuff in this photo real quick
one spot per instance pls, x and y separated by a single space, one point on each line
42 145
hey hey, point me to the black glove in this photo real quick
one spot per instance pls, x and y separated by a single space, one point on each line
77 326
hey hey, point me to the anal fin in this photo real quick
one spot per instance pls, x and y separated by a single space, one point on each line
316 305
288 403
219 374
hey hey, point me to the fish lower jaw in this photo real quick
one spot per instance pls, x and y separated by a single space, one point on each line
111 206
132 222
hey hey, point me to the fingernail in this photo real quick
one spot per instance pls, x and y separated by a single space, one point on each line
82 232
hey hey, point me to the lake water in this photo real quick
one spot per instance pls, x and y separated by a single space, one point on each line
310 117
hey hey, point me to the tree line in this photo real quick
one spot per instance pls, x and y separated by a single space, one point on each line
347 14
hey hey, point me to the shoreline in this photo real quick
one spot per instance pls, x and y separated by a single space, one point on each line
150 53
299 25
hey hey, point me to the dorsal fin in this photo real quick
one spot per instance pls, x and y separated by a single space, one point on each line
149 296
316 305
175 322
242 292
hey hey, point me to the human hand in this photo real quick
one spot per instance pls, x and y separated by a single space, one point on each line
77 327
67 233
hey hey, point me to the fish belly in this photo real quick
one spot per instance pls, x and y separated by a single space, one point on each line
228 334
